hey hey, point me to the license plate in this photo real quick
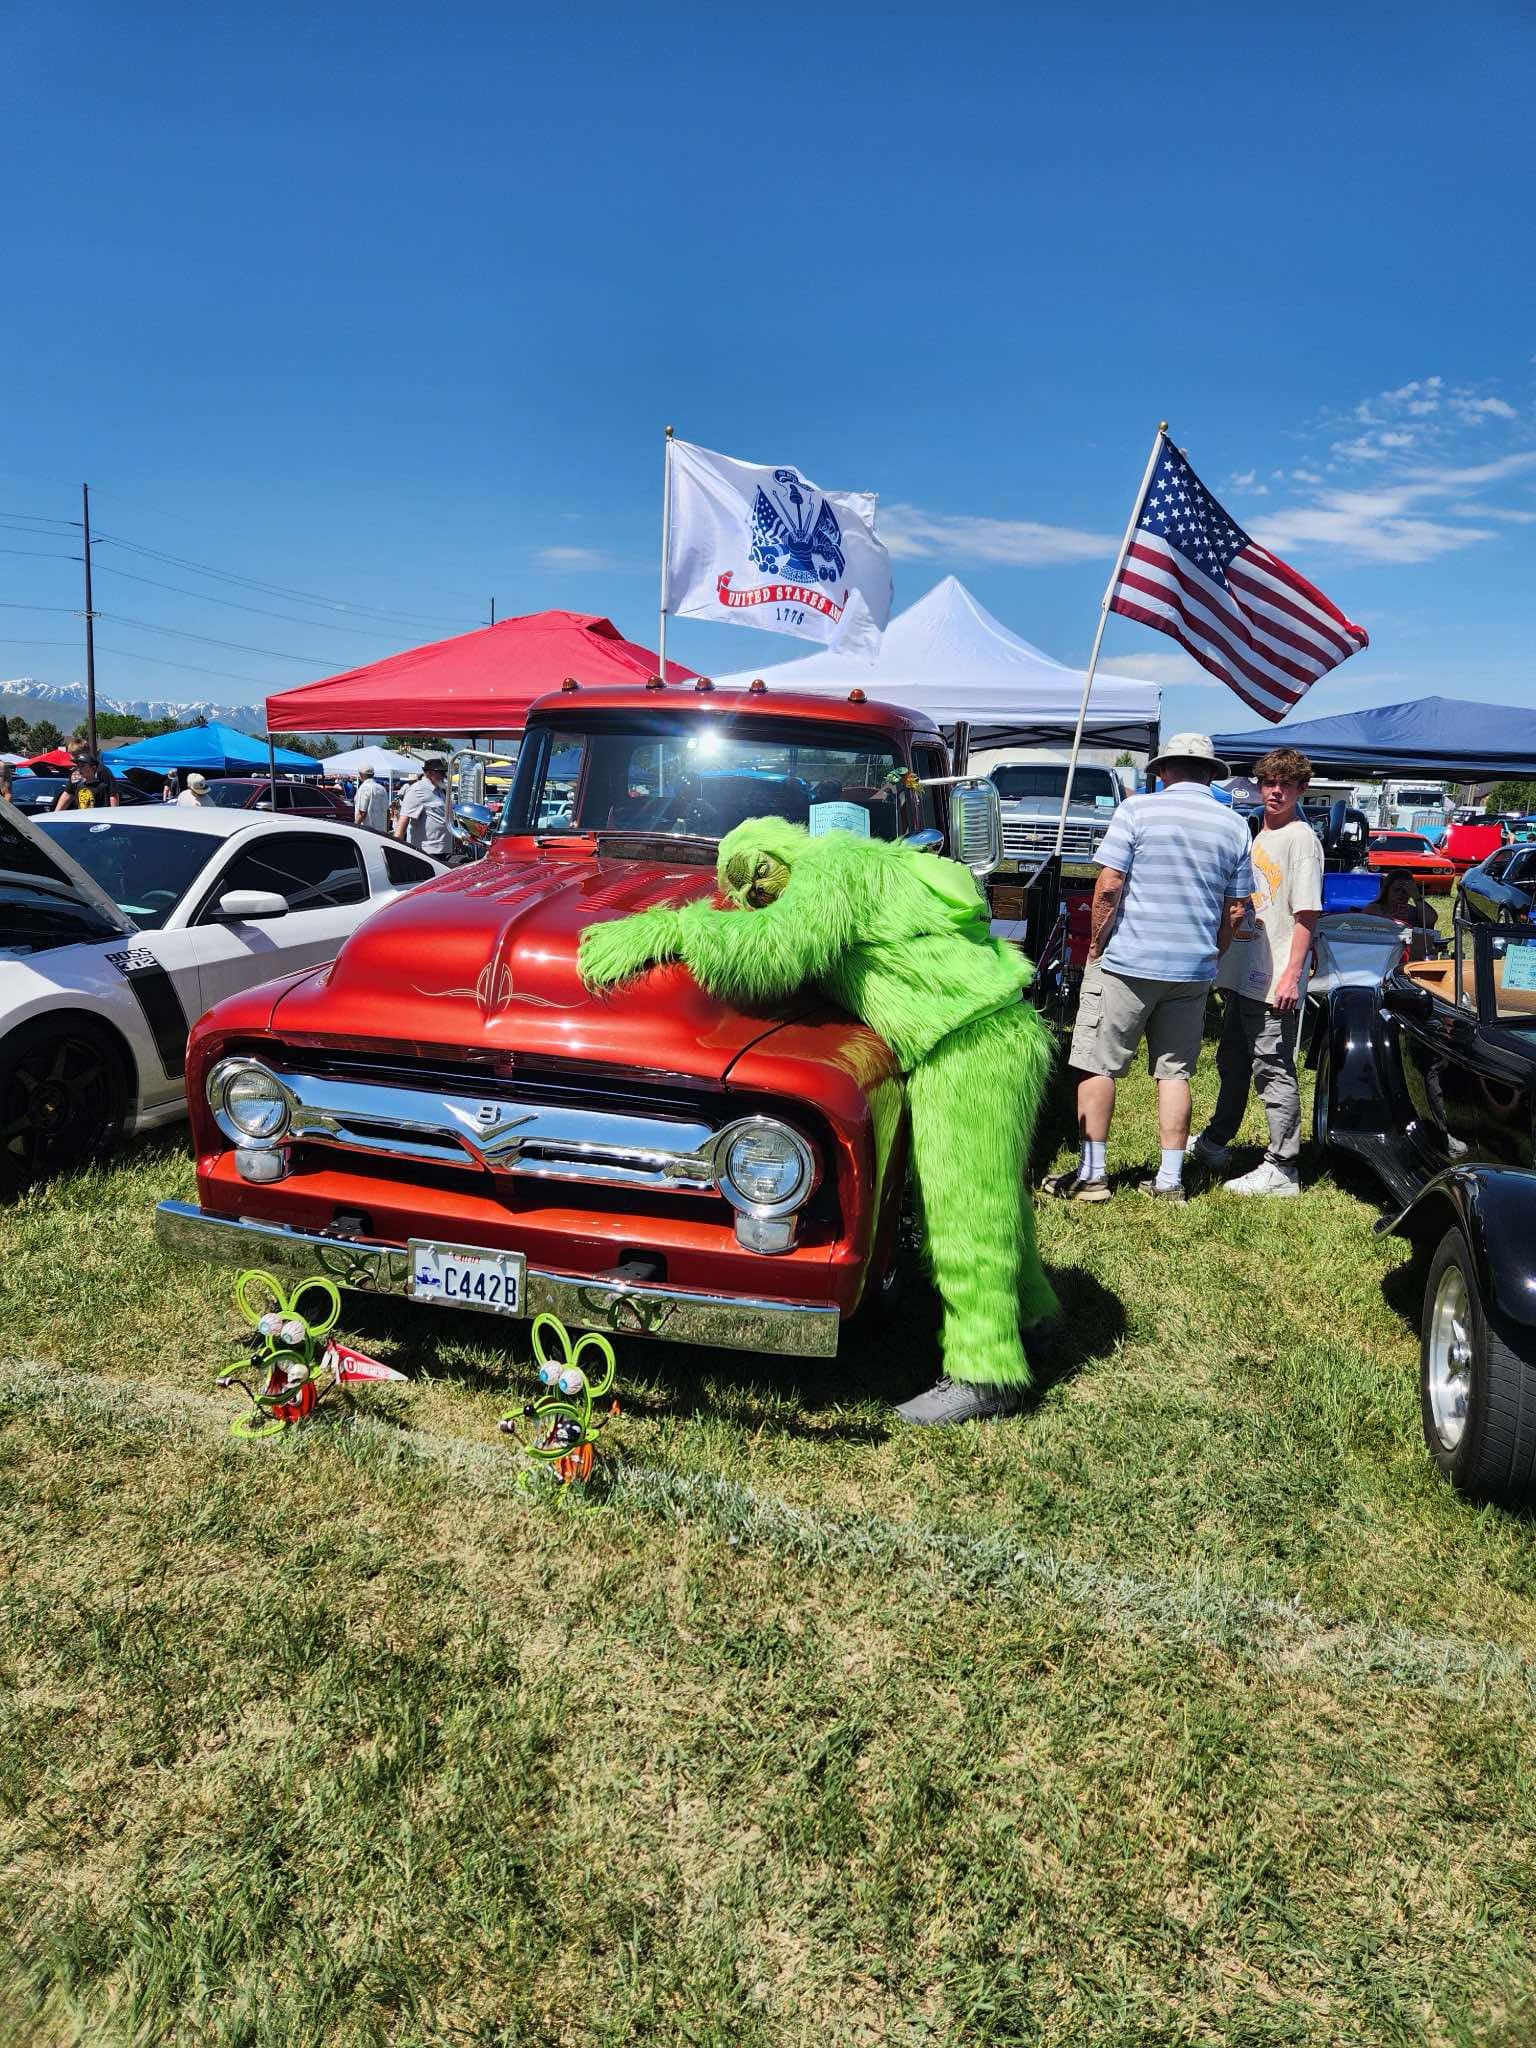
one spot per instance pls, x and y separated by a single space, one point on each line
464 1276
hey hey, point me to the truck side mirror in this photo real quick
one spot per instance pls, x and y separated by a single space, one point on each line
929 840
976 825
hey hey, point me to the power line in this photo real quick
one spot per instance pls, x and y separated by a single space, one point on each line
155 660
7 605
279 589
40 522
179 633
208 597
40 554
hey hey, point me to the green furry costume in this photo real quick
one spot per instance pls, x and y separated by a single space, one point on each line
901 940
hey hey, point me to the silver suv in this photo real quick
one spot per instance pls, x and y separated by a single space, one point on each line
1031 793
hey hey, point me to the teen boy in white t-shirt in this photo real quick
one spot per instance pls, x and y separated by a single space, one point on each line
1264 975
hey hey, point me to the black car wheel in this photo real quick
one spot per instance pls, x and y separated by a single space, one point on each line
63 1097
1322 1092
1477 1397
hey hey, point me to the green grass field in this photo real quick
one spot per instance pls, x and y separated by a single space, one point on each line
1189 1707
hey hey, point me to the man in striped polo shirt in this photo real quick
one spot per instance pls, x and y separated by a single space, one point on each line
1174 874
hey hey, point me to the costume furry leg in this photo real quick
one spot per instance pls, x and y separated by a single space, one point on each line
973 1103
901 940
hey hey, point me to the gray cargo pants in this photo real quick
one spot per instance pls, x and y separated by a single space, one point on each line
1259 1044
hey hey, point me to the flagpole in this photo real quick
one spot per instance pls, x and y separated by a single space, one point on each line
1093 659
666 544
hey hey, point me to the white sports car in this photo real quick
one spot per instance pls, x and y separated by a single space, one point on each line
119 928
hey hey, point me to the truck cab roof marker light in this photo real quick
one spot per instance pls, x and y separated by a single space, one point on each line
570 683
757 688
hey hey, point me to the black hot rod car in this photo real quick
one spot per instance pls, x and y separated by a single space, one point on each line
1430 1081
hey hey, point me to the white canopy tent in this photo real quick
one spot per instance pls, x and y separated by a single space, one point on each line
948 656
379 759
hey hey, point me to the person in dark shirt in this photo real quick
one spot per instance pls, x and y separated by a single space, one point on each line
90 785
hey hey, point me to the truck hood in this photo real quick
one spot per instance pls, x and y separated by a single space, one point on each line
484 961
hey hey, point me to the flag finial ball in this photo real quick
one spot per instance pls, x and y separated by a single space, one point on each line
1162 427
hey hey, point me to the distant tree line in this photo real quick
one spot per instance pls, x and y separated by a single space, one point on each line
1511 796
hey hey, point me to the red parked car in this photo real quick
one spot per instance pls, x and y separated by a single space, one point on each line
1468 846
446 1113
1410 853
254 793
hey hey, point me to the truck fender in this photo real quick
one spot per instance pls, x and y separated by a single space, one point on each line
1495 1209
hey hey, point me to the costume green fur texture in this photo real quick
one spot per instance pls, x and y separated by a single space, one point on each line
900 939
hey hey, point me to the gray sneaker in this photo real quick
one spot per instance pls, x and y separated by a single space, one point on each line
961 1401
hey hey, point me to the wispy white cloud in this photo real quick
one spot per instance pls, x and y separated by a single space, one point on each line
1156 667
1248 481
574 558
915 535
1508 513
1476 412
1404 520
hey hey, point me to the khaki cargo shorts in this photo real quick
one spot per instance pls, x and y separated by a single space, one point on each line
1116 1011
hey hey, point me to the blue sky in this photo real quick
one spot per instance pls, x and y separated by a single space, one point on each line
391 305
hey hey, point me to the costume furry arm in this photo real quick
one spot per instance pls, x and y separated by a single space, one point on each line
741 953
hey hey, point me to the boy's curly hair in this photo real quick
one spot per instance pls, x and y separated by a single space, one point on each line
1283 764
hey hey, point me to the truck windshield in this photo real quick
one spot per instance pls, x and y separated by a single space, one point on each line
1017 780
698 778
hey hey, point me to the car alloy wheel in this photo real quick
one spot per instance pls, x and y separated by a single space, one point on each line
1448 1357
1477 1394
62 1099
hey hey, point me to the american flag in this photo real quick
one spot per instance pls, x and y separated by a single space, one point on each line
1193 573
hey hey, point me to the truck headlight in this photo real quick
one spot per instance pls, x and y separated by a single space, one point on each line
250 1104
763 1168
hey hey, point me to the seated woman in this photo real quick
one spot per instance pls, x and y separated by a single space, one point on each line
1401 900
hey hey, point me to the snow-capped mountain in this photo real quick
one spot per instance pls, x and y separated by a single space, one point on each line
64 703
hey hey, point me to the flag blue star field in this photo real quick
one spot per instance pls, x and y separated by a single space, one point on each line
1193 573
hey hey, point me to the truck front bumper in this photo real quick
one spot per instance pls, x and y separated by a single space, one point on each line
673 1315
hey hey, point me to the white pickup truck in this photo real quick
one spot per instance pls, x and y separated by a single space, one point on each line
1030 793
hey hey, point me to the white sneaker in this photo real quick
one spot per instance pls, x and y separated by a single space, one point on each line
1266 1179
1206 1152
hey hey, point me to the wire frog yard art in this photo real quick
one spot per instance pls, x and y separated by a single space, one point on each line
559 1430
293 1365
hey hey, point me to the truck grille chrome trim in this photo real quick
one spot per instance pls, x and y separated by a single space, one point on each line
542 1141
672 1315
1023 841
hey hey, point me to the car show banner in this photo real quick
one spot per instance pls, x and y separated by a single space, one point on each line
759 544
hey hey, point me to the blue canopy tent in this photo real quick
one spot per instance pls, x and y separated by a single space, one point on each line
1447 737
212 749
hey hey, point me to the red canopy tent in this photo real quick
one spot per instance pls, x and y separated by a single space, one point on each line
475 683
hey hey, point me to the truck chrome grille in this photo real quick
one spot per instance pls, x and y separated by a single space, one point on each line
500 1134
1028 838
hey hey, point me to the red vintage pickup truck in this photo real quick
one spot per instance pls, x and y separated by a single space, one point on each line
445 1113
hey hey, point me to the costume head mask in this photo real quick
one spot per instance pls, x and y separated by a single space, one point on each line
755 860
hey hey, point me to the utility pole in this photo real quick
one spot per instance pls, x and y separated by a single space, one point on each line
90 624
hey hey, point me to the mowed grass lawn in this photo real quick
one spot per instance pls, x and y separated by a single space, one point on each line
1189 1707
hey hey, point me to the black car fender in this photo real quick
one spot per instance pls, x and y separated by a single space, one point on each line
1495 1209
1367 1074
